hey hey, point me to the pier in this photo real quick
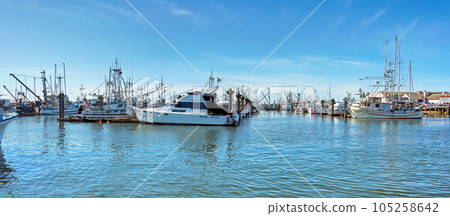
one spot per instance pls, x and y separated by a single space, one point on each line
99 118
437 109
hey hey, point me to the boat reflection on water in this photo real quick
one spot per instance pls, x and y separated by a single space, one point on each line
6 176
4 167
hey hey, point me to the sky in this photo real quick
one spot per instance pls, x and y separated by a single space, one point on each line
340 43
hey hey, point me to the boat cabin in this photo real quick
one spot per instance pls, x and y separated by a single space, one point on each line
199 101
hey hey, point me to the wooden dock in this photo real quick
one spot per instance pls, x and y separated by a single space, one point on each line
441 109
99 118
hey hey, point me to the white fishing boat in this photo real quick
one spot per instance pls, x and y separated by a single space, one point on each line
389 103
116 102
55 111
5 119
378 110
116 109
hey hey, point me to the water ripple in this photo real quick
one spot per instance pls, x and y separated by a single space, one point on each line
341 158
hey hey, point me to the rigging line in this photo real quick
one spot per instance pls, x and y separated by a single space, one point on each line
162 162
287 161
282 42
176 50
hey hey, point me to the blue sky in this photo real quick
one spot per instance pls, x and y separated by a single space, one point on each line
340 43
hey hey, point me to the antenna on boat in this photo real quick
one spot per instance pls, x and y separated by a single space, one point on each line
81 90
55 89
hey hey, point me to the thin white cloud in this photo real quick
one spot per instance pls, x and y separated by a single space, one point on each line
181 12
337 23
329 61
408 29
95 11
234 61
113 9
174 9
369 20
346 3
64 13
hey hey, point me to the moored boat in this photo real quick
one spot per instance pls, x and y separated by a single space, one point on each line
389 103
377 110
197 108
55 111
5 119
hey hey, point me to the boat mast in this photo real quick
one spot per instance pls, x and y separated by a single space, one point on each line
394 68
409 90
56 88
385 58
399 74
59 84
329 92
386 71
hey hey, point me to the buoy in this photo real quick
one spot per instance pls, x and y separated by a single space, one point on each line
107 122
100 121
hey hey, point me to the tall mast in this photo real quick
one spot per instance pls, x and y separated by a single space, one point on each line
394 70
59 84
329 92
386 72
55 89
409 90
399 74
385 57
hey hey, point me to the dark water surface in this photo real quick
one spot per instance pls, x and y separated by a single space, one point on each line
41 157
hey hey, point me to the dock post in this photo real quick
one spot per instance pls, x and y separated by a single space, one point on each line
332 106
345 109
238 100
321 104
61 105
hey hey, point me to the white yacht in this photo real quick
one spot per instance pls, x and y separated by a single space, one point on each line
5 119
197 108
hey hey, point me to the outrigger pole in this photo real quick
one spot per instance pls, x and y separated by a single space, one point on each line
27 87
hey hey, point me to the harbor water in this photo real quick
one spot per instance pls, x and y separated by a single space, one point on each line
41 157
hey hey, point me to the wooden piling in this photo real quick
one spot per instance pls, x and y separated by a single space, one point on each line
345 109
61 105
332 106
322 102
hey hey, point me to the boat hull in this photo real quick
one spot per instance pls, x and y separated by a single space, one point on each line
67 111
367 113
335 112
4 122
164 116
